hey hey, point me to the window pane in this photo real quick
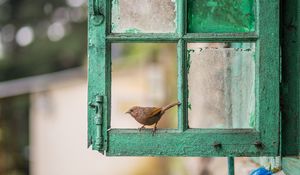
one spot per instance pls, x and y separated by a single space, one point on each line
143 74
221 85
221 16
143 16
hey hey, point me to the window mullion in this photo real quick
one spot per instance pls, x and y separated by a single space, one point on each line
181 17
182 85
182 65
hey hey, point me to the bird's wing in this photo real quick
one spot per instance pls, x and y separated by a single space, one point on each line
152 111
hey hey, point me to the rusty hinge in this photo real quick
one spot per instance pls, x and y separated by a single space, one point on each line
98 120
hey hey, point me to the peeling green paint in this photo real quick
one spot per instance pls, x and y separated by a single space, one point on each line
189 62
252 121
115 10
192 142
189 105
176 15
221 16
133 30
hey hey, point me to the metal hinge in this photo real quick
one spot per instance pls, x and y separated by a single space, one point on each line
98 121
97 13
96 7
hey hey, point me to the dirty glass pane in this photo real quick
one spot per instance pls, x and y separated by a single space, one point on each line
221 85
143 16
221 16
143 74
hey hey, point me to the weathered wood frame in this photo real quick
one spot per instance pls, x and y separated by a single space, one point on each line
263 140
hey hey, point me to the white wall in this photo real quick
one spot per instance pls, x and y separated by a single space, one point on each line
58 135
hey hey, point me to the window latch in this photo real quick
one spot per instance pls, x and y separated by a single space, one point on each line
98 120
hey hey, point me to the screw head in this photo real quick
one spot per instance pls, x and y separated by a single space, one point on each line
217 145
258 145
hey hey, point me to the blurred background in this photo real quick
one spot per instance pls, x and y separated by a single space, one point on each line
43 95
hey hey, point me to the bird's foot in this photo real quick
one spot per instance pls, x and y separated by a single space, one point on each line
154 130
141 128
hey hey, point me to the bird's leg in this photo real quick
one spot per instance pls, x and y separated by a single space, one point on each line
141 128
154 129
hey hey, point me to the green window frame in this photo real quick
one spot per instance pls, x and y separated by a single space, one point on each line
262 140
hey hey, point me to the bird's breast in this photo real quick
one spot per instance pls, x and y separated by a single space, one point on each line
147 120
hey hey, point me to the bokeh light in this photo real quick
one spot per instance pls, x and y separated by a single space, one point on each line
56 31
24 36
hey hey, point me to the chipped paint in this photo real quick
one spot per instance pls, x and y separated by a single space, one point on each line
189 62
252 120
189 51
133 30
189 106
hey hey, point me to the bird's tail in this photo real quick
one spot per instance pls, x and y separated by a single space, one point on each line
170 106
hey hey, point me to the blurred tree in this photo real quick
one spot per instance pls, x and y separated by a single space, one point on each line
42 36
36 37
14 135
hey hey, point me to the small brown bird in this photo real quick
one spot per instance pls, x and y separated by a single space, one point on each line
149 115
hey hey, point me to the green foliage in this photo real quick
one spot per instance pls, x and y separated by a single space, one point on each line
141 53
14 135
44 54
